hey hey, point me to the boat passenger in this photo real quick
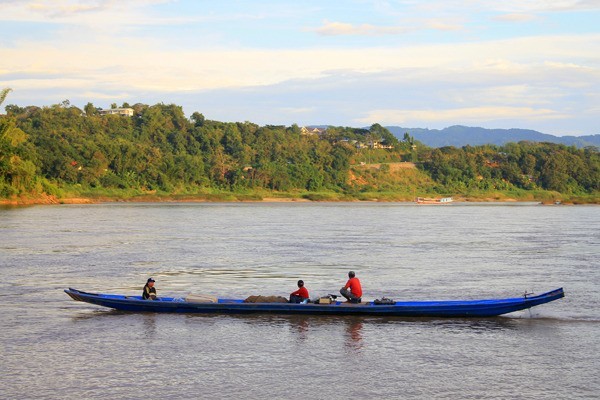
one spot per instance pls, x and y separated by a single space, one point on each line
149 290
355 293
299 295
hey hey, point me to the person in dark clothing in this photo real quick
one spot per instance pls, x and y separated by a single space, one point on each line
149 290
299 295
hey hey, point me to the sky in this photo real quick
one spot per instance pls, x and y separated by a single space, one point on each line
416 64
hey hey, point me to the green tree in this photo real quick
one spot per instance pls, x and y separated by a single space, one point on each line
3 93
17 171
198 119
90 110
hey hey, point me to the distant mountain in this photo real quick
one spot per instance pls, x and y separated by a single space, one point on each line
459 136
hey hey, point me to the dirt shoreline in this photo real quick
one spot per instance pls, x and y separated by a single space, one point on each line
52 200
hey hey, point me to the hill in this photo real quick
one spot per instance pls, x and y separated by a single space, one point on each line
63 152
459 136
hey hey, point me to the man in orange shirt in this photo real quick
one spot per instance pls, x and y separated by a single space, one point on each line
299 295
355 293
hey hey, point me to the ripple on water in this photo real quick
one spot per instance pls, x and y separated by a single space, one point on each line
51 344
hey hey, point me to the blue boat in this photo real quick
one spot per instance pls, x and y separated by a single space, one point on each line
449 308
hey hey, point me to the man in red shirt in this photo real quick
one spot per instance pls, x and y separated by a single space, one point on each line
355 293
299 295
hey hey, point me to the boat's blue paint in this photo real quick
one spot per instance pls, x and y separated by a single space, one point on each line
450 308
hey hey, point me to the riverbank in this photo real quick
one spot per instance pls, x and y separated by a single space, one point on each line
277 197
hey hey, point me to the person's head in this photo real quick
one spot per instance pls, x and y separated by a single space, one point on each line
300 283
351 274
150 282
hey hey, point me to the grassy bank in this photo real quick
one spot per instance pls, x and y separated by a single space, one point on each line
365 183
73 196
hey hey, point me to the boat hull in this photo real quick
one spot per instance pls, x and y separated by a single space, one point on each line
451 308
444 200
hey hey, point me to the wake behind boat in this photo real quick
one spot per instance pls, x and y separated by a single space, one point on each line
429 308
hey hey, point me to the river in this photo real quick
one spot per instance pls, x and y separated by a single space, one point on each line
52 347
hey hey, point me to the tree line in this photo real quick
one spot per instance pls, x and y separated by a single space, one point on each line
160 149
523 165
42 149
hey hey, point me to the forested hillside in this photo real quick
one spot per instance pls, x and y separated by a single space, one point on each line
158 148
62 150
526 165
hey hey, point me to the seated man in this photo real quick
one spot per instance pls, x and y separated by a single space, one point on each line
355 293
299 295
149 290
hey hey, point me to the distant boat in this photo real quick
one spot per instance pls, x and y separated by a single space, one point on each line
428 200
430 308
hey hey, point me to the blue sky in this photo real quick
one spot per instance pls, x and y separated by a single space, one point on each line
427 64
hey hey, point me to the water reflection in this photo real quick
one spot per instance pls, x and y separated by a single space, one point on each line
477 326
354 336
149 326
301 328
145 324
303 324
97 313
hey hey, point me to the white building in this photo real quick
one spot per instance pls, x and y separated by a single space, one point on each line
118 111
312 131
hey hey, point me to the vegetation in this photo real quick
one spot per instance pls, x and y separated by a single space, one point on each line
517 168
63 151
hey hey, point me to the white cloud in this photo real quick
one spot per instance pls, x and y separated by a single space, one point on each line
467 115
518 6
103 50
103 15
442 25
506 6
63 8
409 25
297 110
341 28
515 17
146 66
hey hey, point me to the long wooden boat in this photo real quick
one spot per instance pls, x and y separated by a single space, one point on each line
430 308
427 200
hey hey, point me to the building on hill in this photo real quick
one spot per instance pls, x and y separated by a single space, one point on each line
128 112
307 130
